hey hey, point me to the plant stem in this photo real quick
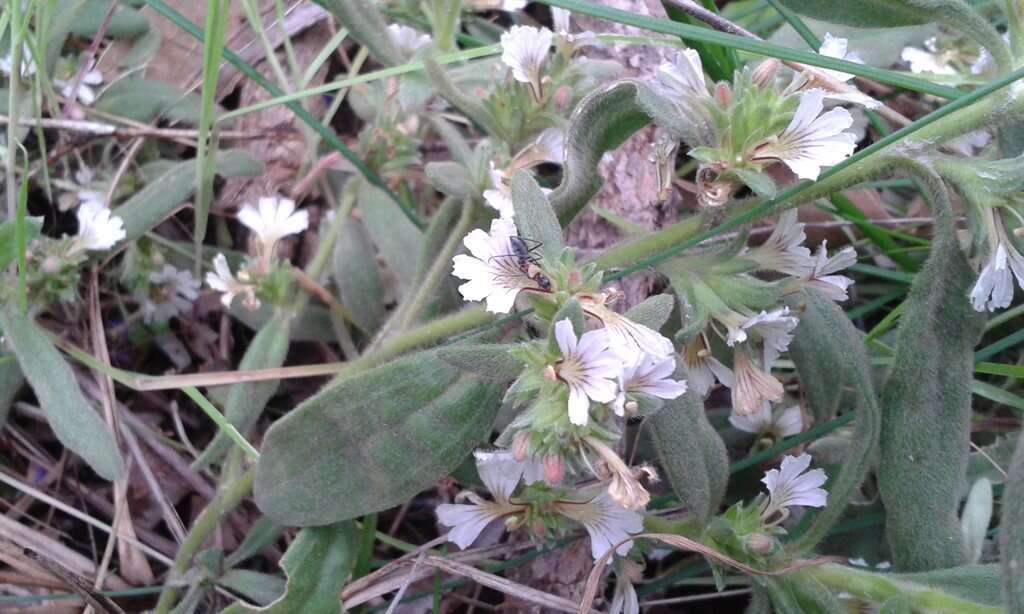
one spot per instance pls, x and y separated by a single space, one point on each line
230 496
880 587
632 251
438 270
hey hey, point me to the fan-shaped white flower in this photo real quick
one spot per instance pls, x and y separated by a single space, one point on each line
682 78
493 272
171 292
838 48
524 50
500 473
648 376
606 522
790 486
702 368
222 280
922 61
779 424
774 328
560 20
97 229
273 219
823 277
588 367
784 249
549 146
994 288
812 140
407 40
85 92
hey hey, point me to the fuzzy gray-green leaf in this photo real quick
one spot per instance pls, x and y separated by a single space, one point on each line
491 361
926 414
357 275
846 344
318 564
1011 532
74 421
149 206
653 312
398 240
451 179
145 100
370 441
535 219
246 400
692 454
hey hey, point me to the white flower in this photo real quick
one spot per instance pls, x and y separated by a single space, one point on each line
588 367
549 146
492 271
28 63
922 61
968 144
408 40
500 473
790 486
784 251
753 386
648 376
221 280
836 47
273 219
524 50
85 92
172 292
97 229
630 340
779 424
682 78
994 288
624 599
560 20
702 369
497 5
822 275
812 140
607 523
774 328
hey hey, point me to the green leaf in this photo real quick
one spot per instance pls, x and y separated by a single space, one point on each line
8 238
124 23
357 275
146 100
491 361
1011 532
256 587
896 605
927 412
372 440
823 346
159 199
692 454
318 564
975 583
975 518
11 380
399 241
653 312
861 14
846 348
535 218
74 421
451 179
246 401
603 120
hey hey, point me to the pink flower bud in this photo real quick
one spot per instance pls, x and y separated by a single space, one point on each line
723 94
765 72
759 543
554 469
521 446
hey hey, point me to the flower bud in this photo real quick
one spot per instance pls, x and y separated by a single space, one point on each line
521 446
765 72
723 94
554 469
550 374
51 265
631 407
759 543
562 97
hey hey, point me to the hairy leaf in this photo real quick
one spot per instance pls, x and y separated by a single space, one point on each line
845 344
357 275
74 421
491 361
318 564
11 380
451 179
398 240
1011 532
692 454
124 22
653 312
246 400
535 219
975 518
163 195
372 440
146 100
927 411
8 242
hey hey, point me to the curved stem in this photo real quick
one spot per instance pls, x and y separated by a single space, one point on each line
230 496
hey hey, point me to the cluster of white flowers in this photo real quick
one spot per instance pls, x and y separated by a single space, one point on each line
86 92
271 220
171 293
524 49
606 522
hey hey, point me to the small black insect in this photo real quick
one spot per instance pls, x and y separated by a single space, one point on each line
524 253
